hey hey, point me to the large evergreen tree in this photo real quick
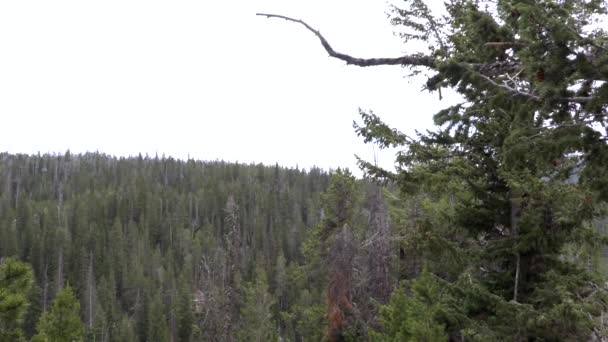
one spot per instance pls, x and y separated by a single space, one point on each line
520 167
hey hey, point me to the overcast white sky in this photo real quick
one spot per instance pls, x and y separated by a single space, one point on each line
207 79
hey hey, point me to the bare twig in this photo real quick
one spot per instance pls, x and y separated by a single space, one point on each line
577 99
511 90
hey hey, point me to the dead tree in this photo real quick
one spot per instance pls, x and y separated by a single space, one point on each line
338 296
379 249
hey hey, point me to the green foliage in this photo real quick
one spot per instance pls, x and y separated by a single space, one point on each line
339 201
124 331
512 178
16 280
158 330
62 322
309 317
257 323
185 316
144 240
417 316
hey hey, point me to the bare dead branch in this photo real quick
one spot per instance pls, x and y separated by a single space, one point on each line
511 90
577 99
488 69
413 60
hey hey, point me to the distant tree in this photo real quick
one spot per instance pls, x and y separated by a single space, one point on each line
158 329
185 318
338 296
257 324
232 272
62 322
124 331
339 201
379 244
281 287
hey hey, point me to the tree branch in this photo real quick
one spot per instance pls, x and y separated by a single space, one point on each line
422 60
511 90
577 99
486 70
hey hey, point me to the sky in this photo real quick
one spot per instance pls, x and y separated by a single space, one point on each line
207 80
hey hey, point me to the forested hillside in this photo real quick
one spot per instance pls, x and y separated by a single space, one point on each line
157 248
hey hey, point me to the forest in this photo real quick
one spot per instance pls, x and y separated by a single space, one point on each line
158 249
491 227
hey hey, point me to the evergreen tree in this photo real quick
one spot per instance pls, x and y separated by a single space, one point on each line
339 203
256 313
158 330
16 280
124 331
511 150
379 249
281 290
521 164
185 319
416 316
62 322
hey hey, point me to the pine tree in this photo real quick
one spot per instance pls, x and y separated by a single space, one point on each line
414 316
281 290
16 280
379 249
256 313
185 319
158 330
62 322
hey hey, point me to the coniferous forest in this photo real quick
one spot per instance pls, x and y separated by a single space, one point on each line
491 227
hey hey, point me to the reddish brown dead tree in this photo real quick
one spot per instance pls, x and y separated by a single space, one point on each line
338 296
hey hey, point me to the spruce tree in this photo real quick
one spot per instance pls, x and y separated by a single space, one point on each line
158 330
414 313
521 165
258 324
62 322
